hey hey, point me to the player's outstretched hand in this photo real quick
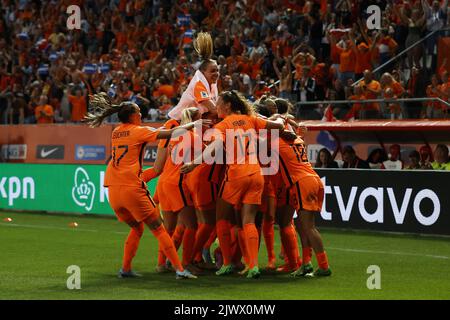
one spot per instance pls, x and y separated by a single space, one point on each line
188 167
206 123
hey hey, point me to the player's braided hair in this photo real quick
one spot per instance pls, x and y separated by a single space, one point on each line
203 45
102 107
237 102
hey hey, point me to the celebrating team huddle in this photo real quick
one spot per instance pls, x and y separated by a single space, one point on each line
214 185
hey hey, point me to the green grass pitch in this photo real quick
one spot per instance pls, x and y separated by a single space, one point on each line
36 250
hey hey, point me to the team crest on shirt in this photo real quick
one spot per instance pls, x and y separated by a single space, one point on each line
204 94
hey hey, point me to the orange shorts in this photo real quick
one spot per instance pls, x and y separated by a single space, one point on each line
245 190
203 192
306 194
132 203
173 197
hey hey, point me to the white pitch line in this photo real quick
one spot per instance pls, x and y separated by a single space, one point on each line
397 253
43 227
56 228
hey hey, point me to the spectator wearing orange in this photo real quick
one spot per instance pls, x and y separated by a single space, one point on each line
346 58
363 56
371 90
392 89
79 105
163 88
260 89
434 108
444 93
356 108
387 46
44 112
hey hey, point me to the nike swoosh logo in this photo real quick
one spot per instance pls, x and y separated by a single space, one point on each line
45 154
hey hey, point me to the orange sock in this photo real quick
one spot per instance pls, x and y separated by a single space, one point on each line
234 242
168 247
243 246
322 260
251 237
299 259
269 238
306 254
290 245
161 256
211 239
237 255
177 236
188 245
203 232
149 174
131 246
223 228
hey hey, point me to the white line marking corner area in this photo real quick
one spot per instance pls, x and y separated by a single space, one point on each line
396 253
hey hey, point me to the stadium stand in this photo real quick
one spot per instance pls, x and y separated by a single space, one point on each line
142 50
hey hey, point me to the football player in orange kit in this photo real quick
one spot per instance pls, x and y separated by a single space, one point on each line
175 199
128 194
303 192
177 232
243 184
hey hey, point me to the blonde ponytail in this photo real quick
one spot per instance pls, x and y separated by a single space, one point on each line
203 45
188 115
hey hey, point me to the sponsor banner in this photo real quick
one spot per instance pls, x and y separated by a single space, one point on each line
55 188
14 151
396 201
55 152
85 152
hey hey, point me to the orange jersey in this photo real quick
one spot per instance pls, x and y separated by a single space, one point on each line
363 60
128 145
433 93
79 107
170 124
244 124
200 92
176 157
47 117
294 162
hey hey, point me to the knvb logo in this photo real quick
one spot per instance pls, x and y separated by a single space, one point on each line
74 19
83 191
374 20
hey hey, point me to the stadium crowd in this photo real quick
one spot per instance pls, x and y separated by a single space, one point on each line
424 159
141 50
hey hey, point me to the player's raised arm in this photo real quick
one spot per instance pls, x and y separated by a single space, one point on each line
178 131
